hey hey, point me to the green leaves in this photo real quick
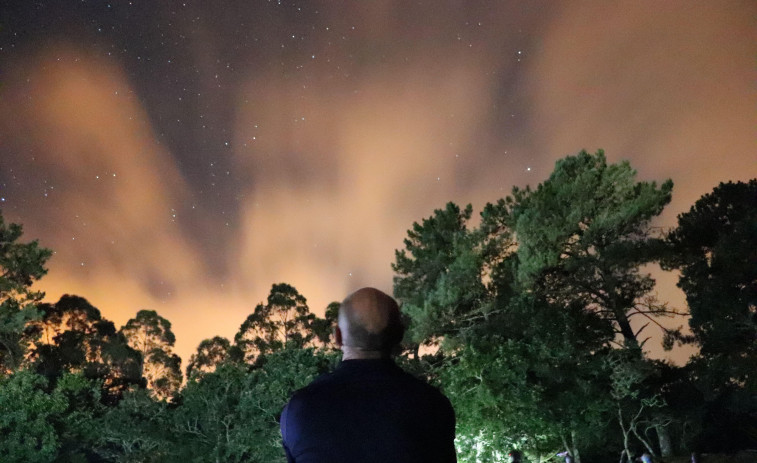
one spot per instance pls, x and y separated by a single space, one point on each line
584 232
27 434
439 275
715 247
585 209
232 414
43 425
526 305
21 264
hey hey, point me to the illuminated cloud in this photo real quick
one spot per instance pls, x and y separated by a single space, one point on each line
669 87
342 133
111 188
335 184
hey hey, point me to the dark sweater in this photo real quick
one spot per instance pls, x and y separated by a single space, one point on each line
368 411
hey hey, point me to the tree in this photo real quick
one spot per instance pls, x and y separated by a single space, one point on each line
532 376
40 424
25 424
438 276
231 414
150 335
138 429
635 407
207 423
210 354
285 320
513 365
75 338
715 249
77 426
20 265
323 327
528 303
270 387
583 234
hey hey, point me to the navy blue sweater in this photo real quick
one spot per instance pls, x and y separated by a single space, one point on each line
368 411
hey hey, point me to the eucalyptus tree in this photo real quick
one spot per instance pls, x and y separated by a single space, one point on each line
76 338
284 320
210 354
150 335
323 328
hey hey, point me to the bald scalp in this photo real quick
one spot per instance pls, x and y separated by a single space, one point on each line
370 321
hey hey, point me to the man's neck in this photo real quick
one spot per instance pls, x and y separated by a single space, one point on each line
352 353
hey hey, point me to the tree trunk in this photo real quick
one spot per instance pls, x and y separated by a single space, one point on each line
625 329
626 453
571 448
642 439
568 448
576 455
666 448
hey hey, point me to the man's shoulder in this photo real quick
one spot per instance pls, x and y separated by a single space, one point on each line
422 385
318 383
391 377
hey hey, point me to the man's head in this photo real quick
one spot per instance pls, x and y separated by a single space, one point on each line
369 324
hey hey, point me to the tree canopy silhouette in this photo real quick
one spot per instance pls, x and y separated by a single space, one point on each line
150 335
21 264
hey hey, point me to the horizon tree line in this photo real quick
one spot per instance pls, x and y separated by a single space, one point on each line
534 322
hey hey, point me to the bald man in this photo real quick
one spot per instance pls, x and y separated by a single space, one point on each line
368 409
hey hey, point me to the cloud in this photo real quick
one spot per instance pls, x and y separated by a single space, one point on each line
338 143
338 175
111 187
666 86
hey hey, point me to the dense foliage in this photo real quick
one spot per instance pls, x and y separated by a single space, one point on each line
21 265
535 322
541 315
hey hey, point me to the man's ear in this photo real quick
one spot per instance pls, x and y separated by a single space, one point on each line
338 336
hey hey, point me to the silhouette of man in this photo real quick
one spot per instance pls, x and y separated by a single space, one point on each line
368 409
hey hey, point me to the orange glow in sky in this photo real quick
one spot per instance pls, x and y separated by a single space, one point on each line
305 160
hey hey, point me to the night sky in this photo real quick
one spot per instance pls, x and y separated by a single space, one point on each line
184 156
